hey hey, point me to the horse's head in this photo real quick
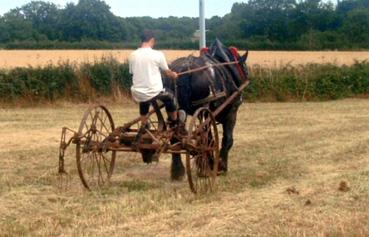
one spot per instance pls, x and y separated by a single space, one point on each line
231 54
241 65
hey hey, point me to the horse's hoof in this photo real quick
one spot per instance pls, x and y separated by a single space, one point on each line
222 167
177 179
147 156
177 173
221 173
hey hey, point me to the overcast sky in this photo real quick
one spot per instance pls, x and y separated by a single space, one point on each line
153 8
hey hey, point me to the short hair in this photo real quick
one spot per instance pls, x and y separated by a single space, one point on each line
147 35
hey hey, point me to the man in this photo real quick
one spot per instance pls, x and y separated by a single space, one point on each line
145 64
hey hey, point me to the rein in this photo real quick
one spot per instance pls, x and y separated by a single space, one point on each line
206 67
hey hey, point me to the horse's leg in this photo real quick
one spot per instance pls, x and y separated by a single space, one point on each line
177 170
227 140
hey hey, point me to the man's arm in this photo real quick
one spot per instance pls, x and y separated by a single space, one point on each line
171 74
164 66
130 59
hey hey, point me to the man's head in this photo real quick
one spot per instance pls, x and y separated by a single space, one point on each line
148 38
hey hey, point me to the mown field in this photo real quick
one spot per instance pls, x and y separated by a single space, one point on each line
25 58
296 169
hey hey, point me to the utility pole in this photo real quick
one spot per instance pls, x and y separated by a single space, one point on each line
202 25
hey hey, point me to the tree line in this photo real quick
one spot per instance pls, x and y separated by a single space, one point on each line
255 24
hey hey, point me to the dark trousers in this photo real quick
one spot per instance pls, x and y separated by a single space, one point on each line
166 97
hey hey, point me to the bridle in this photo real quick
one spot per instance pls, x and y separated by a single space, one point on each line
237 57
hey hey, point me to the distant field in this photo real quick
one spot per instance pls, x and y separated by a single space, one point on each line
286 168
22 58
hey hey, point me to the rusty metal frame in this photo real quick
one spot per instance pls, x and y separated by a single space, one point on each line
160 138
182 147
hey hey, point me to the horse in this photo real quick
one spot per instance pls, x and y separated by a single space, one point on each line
209 87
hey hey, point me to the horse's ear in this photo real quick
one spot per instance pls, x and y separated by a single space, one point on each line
244 57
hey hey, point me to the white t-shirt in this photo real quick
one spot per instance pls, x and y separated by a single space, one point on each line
145 65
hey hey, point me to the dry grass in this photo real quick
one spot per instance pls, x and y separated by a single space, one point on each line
22 58
309 148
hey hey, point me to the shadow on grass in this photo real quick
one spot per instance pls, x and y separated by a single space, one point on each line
127 186
259 173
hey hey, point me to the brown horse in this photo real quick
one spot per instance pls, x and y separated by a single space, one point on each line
209 87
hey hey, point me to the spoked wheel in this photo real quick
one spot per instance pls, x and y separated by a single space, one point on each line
95 164
202 159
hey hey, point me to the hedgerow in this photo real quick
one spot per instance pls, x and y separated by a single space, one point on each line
308 82
108 77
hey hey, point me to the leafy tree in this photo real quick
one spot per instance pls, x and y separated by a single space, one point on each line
346 6
90 19
356 26
16 27
43 16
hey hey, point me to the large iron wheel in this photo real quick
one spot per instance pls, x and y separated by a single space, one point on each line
202 158
95 164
